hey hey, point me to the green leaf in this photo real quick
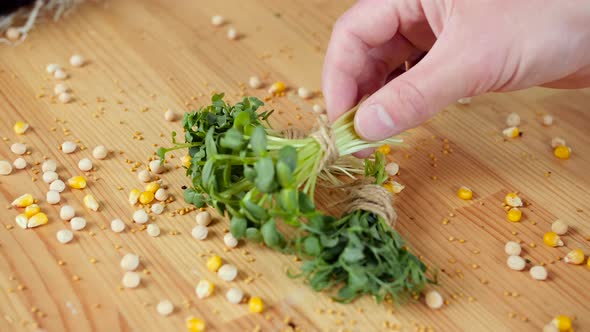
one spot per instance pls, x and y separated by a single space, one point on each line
256 211
258 141
270 234
241 120
207 172
232 139
285 175
265 174
193 197
312 246
161 152
237 227
210 147
288 200
253 234
352 254
288 155
306 205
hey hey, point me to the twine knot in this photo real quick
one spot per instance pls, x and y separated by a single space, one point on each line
372 198
324 136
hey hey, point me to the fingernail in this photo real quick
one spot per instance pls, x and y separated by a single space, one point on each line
374 123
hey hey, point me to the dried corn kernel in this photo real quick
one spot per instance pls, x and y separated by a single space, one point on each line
146 197
575 256
562 322
214 263
204 289
22 221
37 220
562 152
186 161
465 193
553 240
195 324
514 215
511 132
77 182
385 149
255 304
32 210
513 200
277 88
90 202
23 201
20 127
134 196
152 187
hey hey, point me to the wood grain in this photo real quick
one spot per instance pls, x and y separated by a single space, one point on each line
149 56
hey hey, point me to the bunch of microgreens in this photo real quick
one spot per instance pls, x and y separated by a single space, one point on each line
266 183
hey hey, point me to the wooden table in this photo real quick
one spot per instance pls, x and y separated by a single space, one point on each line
149 56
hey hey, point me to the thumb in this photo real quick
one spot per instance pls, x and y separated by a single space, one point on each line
413 97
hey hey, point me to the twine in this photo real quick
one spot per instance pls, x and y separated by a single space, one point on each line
369 197
324 136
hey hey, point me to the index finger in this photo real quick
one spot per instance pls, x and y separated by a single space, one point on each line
366 25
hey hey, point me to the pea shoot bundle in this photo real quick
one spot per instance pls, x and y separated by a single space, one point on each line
266 183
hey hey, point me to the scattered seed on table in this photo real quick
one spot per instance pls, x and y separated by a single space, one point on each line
37 220
68 147
538 272
464 101
318 108
19 163
170 115
131 279
22 221
144 176
65 97
153 230
129 262
559 227
232 33
512 248
50 176
60 88
117 225
511 132
51 68
230 241
100 152
49 165
204 289
255 304
161 194
77 182
516 263
18 148
157 208
20 127
85 165
433 299
64 236
60 74
227 272
547 120
156 166
557 141
203 218
200 232
5 167
392 169
513 120
575 256
90 202
254 82
165 307
304 93
234 295
57 185
77 60
52 197
66 213
140 216
78 223
217 20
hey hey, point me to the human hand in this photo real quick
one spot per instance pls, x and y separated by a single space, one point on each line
473 47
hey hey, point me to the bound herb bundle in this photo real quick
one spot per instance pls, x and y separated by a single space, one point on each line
241 166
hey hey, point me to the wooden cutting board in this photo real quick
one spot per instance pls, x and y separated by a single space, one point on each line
145 57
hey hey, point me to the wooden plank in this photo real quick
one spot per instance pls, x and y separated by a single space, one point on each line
149 56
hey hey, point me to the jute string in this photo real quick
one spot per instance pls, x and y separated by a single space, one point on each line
361 194
369 197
